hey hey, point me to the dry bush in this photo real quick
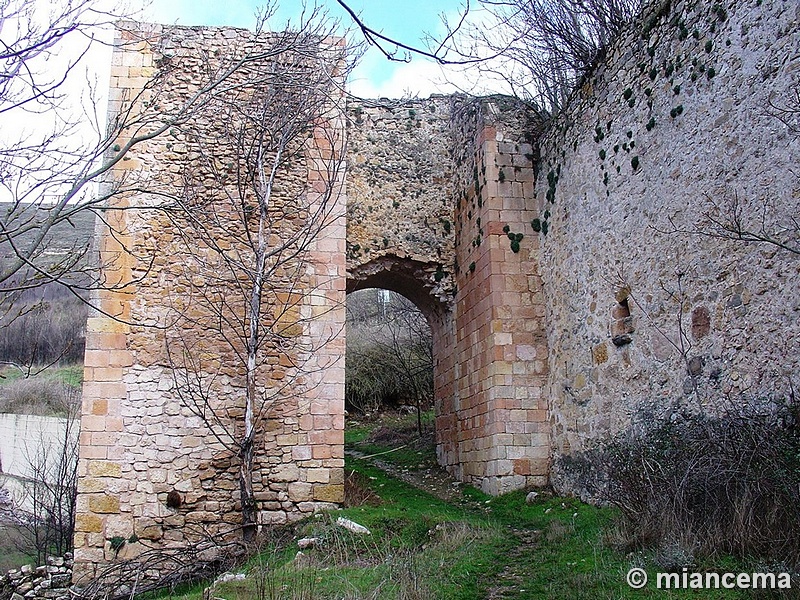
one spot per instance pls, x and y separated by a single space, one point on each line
39 396
697 484
42 327
389 353
158 570
357 491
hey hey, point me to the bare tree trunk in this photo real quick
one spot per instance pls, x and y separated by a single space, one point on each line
249 512
249 240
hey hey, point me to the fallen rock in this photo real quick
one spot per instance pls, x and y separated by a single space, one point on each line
352 526
531 497
306 543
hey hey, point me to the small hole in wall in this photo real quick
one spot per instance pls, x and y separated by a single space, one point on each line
174 499
621 320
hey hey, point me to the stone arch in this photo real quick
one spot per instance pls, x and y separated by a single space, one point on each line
410 278
416 281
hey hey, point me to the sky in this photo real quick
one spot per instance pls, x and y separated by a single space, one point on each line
406 20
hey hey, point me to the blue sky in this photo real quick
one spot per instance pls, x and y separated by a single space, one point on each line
407 20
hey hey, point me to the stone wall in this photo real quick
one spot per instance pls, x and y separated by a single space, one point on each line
431 185
570 275
493 428
647 311
399 187
157 466
51 581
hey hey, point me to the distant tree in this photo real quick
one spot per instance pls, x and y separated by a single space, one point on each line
389 353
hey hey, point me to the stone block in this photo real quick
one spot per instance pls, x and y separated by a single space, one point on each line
91 485
286 472
301 453
104 504
336 476
329 493
321 475
86 523
118 525
272 518
201 516
300 492
321 452
94 452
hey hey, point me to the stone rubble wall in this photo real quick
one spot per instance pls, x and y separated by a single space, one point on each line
675 122
399 200
51 581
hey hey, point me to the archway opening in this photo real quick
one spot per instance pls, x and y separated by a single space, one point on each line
422 294
389 360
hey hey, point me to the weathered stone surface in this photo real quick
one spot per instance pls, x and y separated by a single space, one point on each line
103 504
614 227
88 523
99 468
329 493
553 276
300 492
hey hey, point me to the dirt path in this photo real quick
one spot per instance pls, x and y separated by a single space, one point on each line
508 583
434 480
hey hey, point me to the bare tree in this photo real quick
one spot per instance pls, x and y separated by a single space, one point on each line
49 175
541 49
47 162
247 218
538 50
389 353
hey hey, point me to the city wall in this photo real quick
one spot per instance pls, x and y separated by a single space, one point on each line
576 274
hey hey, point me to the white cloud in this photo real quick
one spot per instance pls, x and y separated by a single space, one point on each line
420 77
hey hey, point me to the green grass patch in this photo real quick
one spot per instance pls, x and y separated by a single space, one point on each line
11 540
395 439
471 547
71 375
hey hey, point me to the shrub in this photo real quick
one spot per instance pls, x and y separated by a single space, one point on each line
389 357
698 483
39 395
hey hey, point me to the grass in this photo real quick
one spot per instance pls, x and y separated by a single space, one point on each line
470 547
71 375
55 391
11 557
395 439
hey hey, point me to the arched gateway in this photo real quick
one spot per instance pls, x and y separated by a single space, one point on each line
545 261
422 203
